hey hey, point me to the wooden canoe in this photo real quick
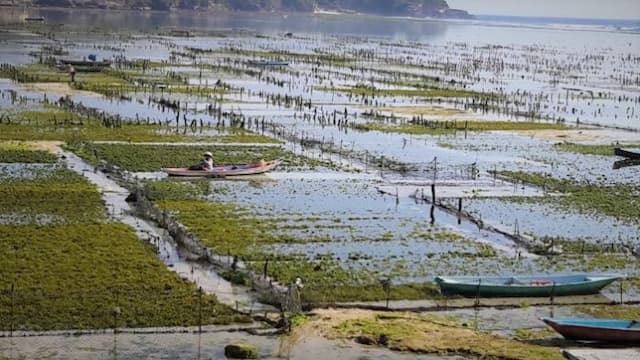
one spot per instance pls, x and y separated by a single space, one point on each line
86 63
627 153
525 286
222 171
601 330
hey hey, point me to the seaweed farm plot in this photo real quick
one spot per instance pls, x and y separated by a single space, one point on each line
530 153
541 219
75 123
345 223
154 157
49 193
18 152
341 234
64 265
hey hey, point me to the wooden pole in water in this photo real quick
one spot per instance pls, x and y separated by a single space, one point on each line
266 266
435 171
366 158
200 310
12 315
459 211
433 194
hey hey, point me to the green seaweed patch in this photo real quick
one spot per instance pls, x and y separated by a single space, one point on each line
61 125
176 190
326 281
534 334
366 90
93 276
603 150
450 127
62 193
236 277
34 73
109 81
625 312
317 58
298 320
220 226
618 200
139 157
436 335
15 152
607 261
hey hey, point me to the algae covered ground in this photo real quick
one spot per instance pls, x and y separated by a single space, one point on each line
618 200
425 334
65 265
87 276
141 157
52 123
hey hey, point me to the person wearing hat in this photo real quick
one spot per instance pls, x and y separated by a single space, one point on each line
205 164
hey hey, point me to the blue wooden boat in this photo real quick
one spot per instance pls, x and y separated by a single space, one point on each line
601 330
525 286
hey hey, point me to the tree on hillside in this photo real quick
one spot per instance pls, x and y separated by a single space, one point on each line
298 5
160 5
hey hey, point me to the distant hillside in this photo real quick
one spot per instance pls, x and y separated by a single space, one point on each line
417 8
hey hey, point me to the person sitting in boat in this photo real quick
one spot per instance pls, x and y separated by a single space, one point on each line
205 164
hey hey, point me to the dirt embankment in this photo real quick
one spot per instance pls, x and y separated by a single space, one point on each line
57 89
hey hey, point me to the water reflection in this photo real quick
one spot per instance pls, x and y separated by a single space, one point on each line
265 23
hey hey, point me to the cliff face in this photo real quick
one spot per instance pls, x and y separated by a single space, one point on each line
417 8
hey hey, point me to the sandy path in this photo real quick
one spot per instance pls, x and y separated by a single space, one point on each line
592 137
49 146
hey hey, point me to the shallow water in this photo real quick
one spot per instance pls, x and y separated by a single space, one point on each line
543 219
350 220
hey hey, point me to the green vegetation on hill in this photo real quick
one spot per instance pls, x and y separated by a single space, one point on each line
433 8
